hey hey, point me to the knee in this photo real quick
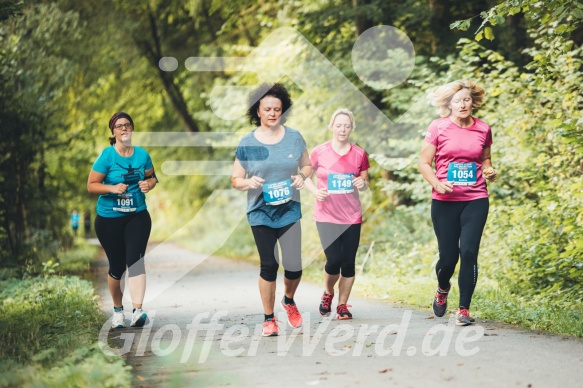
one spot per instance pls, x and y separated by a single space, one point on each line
268 272
348 271
116 273
137 268
446 267
292 275
332 268
469 255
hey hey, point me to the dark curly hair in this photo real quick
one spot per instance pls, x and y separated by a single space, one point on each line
274 90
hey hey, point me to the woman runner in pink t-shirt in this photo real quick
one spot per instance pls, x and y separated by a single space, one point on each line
341 172
460 144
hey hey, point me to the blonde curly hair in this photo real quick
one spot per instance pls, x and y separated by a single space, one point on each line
442 96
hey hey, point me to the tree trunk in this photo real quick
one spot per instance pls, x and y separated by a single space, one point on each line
154 53
361 22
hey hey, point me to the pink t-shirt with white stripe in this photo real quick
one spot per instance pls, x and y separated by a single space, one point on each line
463 145
338 208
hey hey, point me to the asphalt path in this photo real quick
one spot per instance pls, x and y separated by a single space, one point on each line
205 330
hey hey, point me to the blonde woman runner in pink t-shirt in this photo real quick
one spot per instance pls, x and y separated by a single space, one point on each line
460 145
341 172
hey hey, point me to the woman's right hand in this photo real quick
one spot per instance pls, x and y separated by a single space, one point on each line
255 182
120 188
443 187
321 194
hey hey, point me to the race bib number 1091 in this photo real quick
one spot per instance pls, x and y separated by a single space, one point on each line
125 203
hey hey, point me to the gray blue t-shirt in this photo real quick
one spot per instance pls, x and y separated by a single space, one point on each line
275 163
122 169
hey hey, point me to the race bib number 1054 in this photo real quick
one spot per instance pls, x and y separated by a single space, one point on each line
462 174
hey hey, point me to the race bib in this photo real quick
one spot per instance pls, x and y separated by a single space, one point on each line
340 183
125 203
278 192
462 174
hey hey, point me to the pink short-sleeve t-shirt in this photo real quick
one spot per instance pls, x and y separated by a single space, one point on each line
338 208
459 145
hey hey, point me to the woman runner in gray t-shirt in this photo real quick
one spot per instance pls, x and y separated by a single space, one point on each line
266 166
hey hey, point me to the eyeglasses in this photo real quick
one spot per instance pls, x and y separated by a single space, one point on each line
127 126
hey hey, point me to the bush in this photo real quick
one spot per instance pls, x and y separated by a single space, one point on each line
49 332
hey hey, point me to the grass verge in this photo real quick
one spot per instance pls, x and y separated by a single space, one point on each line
49 330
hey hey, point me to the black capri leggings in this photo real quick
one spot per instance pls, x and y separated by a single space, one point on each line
458 227
290 239
340 243
124 240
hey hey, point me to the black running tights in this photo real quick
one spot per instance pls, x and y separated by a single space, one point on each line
458 227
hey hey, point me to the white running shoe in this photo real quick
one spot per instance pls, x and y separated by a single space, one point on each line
139 318
118 320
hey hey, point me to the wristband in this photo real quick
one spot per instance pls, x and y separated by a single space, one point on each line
303 176
152 176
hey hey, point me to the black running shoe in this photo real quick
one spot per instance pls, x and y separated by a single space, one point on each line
342 312
440 303
325 304
462 318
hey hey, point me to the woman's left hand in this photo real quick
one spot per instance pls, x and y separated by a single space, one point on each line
144 186
359 183
490 174
297 182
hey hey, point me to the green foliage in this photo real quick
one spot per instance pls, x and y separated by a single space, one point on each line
537 313
42 312
61 79
49 331
76 260
83 367
34 74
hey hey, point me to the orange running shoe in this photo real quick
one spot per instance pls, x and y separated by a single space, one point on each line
294 318
270 328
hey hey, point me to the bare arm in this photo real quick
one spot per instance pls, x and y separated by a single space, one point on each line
320 194
238 180
95 185
149 183
361 182
425 167
305 169
487 164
